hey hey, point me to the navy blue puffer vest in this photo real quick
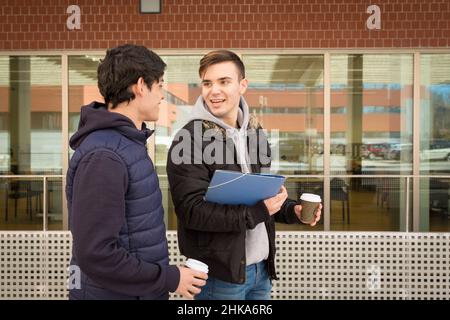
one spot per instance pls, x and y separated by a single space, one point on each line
143 234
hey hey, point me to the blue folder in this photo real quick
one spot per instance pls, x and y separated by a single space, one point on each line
232 187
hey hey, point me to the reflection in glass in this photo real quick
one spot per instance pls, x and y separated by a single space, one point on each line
286 95
22 203
182 90
83 88
435 193
30 115
434 141
371 113
371 133
30 135
54 203
382 207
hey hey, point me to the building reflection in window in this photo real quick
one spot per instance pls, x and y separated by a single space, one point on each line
182 85
435 142
286 95
371 134
30 139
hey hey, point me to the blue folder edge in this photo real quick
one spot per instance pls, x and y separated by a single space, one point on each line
235 188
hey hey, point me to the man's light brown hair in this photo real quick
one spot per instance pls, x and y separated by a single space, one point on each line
218 56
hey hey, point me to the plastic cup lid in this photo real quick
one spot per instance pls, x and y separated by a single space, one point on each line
310 197
197 265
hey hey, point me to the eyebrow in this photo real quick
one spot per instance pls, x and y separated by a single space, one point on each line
223 78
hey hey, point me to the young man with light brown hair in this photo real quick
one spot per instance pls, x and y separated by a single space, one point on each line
237 242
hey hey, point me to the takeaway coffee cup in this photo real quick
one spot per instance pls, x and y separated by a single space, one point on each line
197 265
310 202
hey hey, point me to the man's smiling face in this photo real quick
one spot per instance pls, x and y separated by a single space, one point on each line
222 88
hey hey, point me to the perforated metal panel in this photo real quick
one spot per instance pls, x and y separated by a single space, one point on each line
429 266
57 258
311 265
22 265
175 256
341 266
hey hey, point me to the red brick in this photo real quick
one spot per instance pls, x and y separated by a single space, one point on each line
351 43
234 43
306 43
342 44
360 43
315 43
273 24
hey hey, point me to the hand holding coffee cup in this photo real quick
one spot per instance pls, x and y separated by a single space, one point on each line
311 204
192 277
197 265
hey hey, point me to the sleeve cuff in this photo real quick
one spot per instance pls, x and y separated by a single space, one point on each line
172 278
291 216
257 214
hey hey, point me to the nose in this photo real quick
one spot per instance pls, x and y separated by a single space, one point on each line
215 88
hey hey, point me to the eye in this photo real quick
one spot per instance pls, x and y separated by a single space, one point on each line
206 84
224 82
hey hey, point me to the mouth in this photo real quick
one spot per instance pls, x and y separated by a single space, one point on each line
216 102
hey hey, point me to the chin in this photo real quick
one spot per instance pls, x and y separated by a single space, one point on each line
217 112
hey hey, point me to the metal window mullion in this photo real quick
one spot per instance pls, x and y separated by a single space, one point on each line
416 143
44 204
326 140
407 178
65 134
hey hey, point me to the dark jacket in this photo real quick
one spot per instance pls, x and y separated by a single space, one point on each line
213 233
115 211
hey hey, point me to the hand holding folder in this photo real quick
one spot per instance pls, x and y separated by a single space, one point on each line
233 187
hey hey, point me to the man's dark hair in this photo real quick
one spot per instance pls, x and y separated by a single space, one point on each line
219 56
122 67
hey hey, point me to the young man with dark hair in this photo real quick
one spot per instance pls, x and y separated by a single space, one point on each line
115 210
237 242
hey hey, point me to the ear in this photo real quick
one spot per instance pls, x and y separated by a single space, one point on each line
243 85
138 87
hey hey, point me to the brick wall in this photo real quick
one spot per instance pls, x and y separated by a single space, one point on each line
41 24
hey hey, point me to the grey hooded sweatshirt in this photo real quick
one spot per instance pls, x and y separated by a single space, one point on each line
256 240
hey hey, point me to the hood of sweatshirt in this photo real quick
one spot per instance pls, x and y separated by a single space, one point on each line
239 136
95 116
201 112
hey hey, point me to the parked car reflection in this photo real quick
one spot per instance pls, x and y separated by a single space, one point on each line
438 150
399 151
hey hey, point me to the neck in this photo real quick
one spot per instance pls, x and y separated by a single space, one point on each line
231 119
127 110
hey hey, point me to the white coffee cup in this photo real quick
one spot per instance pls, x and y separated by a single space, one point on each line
197 265
311 197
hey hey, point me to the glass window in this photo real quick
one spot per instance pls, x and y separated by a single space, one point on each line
182 85
435 141
286 95
30 138
372 136
83 88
